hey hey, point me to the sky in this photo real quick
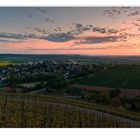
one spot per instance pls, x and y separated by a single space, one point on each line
70 30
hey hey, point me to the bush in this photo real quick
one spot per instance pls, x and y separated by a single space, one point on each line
114 93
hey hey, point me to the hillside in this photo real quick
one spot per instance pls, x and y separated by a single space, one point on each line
23 110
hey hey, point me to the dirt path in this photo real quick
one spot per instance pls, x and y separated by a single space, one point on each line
43 90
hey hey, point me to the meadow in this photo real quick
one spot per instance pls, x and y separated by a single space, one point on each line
28 85
5 63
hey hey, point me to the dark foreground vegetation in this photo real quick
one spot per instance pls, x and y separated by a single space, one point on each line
23 111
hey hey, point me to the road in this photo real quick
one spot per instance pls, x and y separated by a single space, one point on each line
43 90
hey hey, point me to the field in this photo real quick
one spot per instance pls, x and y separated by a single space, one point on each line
55 112
4 63
120 76
28 85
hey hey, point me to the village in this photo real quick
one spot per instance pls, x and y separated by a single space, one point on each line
30 76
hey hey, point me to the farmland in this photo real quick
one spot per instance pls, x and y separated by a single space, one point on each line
4 63
28 85
120 76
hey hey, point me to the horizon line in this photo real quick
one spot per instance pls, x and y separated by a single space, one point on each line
65 54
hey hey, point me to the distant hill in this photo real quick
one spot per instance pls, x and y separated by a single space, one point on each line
80 58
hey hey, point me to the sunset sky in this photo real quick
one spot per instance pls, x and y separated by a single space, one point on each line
63 30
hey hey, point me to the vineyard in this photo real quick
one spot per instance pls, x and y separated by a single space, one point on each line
26 112
122 76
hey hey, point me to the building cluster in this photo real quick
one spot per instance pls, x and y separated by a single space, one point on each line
69 69
44 70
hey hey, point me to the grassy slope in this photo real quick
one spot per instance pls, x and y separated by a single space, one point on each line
28 85
5 63
124 76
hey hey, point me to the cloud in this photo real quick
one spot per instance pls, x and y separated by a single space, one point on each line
43 31
54 37
59 37
48 20
112 11
80 28
73 33
57 29
124 35
72 48
112 31
13 36
104 30
134 13
117 11
20 37
96 40
10 41
42 10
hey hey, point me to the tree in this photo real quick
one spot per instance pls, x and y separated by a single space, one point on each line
133 106
114 93
103 99
57 82
116 102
